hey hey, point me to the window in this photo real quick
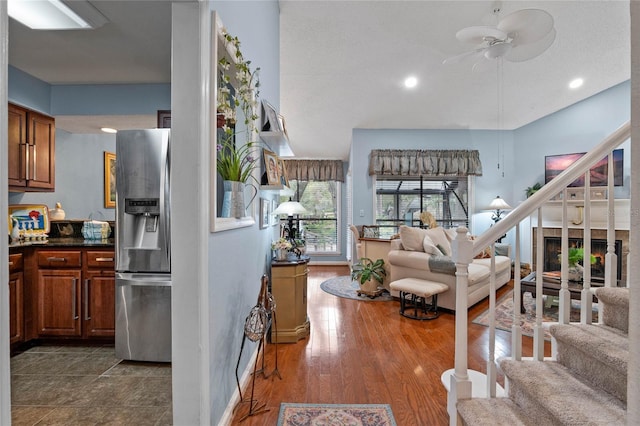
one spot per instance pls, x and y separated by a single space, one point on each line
319 227
399 201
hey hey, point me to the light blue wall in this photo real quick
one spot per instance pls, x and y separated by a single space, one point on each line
577 128
79 158
492 145
29 91
110 99
240 257
79 177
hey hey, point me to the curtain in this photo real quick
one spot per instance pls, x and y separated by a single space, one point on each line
431 162
314 170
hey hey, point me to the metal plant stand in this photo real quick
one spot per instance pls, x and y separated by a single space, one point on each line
255 329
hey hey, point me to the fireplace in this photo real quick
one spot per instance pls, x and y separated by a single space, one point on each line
552 236
553 248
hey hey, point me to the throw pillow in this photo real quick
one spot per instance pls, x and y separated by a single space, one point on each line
412 238
430 247
439 238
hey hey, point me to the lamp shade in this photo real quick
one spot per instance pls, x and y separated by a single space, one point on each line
499 204
290 208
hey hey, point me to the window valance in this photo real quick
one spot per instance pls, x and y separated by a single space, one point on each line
315 170
431 162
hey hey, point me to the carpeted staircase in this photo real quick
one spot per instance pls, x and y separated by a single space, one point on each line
585 385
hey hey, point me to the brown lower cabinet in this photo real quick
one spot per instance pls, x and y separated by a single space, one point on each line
75 293
16 299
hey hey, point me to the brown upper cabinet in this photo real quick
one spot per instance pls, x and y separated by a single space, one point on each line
31 150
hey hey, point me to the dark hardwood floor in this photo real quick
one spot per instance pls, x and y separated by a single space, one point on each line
364 352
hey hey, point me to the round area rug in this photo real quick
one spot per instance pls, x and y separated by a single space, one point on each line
344 287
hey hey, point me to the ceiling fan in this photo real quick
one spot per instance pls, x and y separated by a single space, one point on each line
518 37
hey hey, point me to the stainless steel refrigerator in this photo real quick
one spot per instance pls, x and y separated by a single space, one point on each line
143 246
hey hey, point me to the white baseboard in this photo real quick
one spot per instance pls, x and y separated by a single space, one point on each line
227 416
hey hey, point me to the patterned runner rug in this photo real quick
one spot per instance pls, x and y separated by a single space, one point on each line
504 314
293 414
343 286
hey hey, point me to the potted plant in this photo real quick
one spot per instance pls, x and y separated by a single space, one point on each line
367 272
281 248
532 189
575 256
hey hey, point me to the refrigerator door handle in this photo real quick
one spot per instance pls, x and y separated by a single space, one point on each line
143 279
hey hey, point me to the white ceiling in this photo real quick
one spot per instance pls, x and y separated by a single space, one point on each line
343 63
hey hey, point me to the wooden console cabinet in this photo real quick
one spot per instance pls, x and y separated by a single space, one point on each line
289 290
31 150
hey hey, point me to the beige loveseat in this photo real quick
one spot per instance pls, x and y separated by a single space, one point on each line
425 254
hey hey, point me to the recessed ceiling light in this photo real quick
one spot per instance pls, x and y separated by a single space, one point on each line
108 130
410 82
574 84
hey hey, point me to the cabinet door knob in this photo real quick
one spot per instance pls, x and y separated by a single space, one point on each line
104 259
56 259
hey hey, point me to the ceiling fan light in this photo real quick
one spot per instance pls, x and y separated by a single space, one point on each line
497 50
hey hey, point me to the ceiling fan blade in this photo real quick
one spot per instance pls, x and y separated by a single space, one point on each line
479 34
484 64
461 57
526 25
524 52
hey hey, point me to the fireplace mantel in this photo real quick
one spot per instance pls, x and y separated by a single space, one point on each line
552 214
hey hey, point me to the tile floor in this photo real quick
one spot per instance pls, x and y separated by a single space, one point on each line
72 385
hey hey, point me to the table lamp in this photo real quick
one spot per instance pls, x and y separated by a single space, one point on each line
499 206
290 208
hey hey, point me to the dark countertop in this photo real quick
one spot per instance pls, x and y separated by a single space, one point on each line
65 242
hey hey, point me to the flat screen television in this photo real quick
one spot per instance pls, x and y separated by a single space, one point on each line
556 164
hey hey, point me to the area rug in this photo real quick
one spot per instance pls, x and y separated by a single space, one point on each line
504 314
343 286
293 414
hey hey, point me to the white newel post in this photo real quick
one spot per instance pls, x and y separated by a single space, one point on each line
460 385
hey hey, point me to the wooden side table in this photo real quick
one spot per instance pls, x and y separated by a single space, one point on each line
289 290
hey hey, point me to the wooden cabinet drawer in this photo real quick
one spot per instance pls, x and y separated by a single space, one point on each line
15 262
59 259
101 259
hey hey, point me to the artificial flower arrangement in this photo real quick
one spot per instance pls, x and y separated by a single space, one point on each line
236 162
281 244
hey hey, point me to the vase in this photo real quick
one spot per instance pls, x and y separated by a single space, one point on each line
233 201
574 273
281 254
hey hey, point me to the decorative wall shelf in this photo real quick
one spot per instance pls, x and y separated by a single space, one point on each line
278 142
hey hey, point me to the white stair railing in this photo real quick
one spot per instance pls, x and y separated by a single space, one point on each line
460 386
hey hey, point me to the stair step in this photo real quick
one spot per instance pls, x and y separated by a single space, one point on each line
492 411
550 393
599 354
615 306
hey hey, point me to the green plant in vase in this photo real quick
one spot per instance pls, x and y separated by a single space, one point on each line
575 255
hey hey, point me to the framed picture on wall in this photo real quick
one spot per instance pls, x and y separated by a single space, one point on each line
265 212
271 167
273 219
109 180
